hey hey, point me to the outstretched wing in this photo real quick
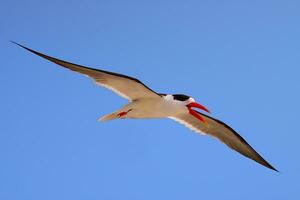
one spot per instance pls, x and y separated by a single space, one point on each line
223 132
127 87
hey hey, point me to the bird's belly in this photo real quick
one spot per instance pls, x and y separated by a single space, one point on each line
153 109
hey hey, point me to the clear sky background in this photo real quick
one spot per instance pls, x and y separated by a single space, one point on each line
239 58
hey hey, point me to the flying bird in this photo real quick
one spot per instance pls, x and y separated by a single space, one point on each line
146 103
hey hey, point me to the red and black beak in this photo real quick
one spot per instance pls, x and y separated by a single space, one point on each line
194 113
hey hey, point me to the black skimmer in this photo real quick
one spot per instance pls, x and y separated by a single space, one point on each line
146 103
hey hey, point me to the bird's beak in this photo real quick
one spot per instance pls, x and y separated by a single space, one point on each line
197 105
195 114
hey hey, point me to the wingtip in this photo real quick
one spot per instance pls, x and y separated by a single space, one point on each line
15 43
20 45
268 165
274 169
32 51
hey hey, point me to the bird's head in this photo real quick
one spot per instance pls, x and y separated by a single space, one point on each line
189 102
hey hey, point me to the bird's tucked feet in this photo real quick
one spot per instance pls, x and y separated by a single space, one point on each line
122 114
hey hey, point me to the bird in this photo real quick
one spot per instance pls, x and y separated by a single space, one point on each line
145 103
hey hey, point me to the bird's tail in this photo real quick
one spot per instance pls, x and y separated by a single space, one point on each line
108 117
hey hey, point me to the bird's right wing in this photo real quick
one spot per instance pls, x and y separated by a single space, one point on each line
223 132
127 87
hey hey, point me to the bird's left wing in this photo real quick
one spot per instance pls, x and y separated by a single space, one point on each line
127 87
223 132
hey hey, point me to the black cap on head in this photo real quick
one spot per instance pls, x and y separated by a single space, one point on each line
180 97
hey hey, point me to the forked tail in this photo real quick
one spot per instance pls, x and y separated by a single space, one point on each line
108 117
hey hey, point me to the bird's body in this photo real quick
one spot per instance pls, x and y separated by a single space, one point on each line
154 107
146 103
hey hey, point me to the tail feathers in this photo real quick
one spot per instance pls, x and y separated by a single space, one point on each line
109 117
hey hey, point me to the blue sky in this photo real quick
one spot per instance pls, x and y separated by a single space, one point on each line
238 58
